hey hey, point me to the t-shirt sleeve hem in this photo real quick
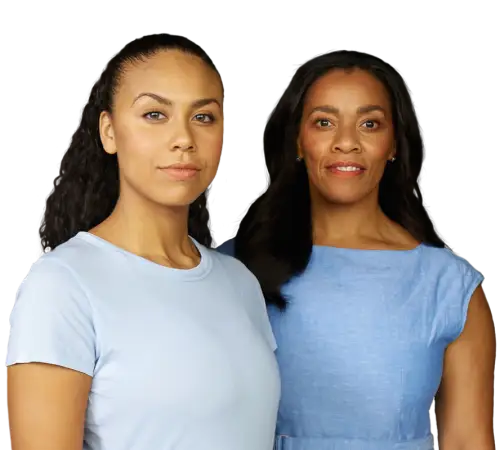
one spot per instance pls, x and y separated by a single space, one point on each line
78 366
474 280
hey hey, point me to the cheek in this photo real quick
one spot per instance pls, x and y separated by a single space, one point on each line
209 150
378 144
141 150
377 151
138 155
378 148
315 144
137 145
209 144
136 141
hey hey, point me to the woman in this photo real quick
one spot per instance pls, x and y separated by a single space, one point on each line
131 333
367 304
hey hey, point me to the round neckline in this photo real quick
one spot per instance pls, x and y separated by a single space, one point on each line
194 273
370 250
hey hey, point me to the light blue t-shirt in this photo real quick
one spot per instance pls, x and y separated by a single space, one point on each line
361 345
180 359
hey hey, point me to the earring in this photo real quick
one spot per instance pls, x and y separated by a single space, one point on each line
298 159
393 159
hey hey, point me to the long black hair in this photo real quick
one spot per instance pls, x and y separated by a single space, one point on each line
87 187
274 239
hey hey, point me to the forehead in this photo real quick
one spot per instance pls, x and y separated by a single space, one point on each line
343 88
173 74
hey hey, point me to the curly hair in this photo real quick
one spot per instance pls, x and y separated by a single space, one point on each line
86 190
275 239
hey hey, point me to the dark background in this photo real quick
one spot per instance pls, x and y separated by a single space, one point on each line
447 77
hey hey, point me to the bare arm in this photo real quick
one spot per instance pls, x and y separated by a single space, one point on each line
464 404
47 407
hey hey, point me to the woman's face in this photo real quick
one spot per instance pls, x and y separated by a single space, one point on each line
166 128
346 136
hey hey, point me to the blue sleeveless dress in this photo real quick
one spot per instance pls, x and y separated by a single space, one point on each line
361 346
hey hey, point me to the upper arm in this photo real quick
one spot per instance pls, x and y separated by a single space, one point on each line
464 404
47 407
51 359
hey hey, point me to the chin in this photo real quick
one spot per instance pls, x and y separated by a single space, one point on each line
177 196
344 198
178 203
343 201
173 201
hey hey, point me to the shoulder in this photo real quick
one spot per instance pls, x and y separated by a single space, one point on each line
446 263
84 260
51 287
246 283
225 254
237 272
80 252
48 274
52 318
239 276
455 281
54 288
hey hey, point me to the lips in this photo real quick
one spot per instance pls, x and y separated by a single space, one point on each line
181 171
346 168
182 166
344 164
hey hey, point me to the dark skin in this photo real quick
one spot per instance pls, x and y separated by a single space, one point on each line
347 118
464 403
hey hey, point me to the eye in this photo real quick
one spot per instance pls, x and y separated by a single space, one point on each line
154 115
371 124
204 118
323 123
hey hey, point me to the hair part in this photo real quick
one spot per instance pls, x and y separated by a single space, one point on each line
274 239
87 188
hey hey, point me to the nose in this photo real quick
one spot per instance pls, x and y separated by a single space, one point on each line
182 138
346 141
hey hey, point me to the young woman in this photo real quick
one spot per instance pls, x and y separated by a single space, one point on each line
131 333
373 315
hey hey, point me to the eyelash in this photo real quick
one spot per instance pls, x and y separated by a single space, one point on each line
376 122
210 117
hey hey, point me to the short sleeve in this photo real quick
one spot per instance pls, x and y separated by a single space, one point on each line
51 321
461 280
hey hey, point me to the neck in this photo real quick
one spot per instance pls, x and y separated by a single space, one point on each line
352 223
148 229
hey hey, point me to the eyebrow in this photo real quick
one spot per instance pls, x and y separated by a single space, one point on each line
361 110
165 101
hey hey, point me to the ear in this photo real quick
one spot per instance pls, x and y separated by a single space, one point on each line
107 133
